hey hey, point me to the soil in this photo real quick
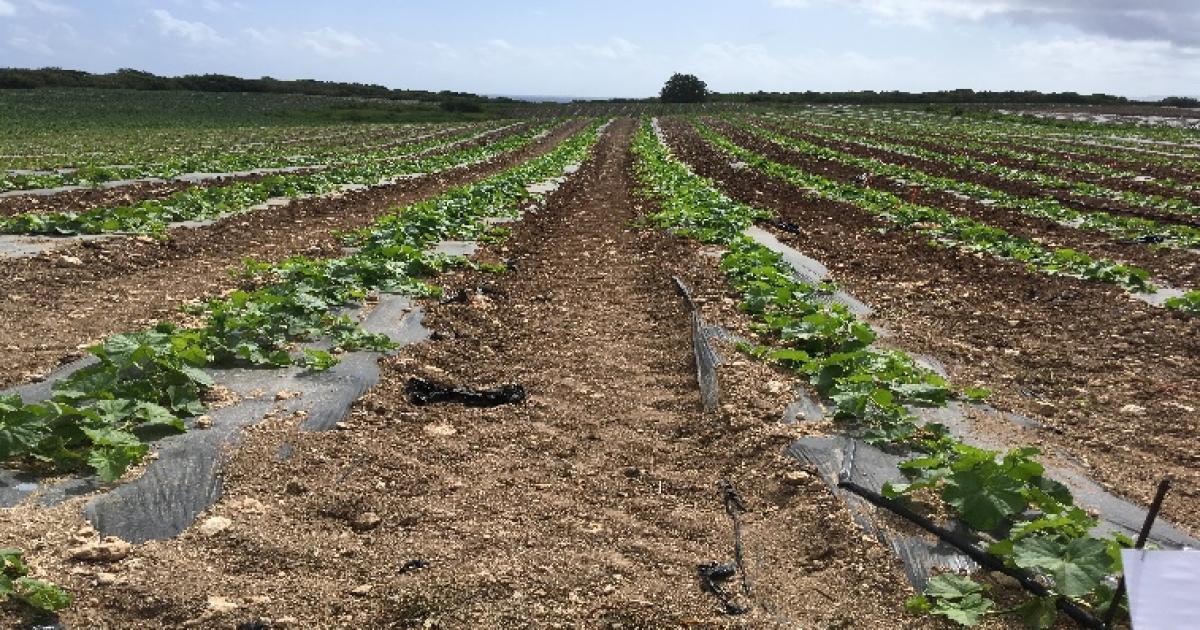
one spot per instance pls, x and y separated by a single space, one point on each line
91 198
1114 380
590 505
59 303
1149 188
1113 159
1066 197
1175 267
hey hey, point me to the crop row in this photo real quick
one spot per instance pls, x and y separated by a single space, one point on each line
1031 520
1116 225
152 380
943 226
1168 142
1133 155
219 162
153 216
50 149
983 145
1135 199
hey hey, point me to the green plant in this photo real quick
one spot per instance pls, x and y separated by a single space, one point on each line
15 583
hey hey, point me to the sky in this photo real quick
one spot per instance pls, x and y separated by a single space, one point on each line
602 48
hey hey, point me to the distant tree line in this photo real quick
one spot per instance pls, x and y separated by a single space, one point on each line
870 97
130 79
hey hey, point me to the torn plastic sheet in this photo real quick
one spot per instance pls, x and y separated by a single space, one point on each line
706 356
843 457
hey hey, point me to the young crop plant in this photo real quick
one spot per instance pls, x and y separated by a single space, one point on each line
1188 303
1030 520
15 584
154 216
148 382
1117 225
944 227
966 162
225 161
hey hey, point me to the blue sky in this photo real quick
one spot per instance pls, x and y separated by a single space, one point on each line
628 48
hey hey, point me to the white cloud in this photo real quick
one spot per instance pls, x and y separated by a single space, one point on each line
7 8
195 33
217 6
730 67
47 40
1095 63
1175 21
52 8
334 44
31 43
263 37
615 48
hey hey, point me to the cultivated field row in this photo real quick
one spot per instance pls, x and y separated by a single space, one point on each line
1000 355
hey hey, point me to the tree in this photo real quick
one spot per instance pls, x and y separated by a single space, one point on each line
684 88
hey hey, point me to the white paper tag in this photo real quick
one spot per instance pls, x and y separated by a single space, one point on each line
1164 588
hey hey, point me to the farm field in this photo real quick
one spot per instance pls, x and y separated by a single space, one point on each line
599 366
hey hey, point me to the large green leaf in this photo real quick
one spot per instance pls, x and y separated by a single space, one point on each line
1076 567
984 496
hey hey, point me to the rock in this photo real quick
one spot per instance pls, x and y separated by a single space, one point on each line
111 549
1133 410
104 578
204 422
247 505
295 487
284 622
220 605
796 477
359 591
777 387
633 472
71 260
214 525
440 430
366 521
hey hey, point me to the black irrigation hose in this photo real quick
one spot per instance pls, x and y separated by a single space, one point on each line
1079 615
734 507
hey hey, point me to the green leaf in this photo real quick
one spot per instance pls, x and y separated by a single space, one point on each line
1076 567
1039 613
968 611
11 564
318 360
918 605
951 586
977 394
984 496
113 452
156 415
41 595
20 432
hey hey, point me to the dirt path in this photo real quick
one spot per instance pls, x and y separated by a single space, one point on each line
56 303
1112 377
588 506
